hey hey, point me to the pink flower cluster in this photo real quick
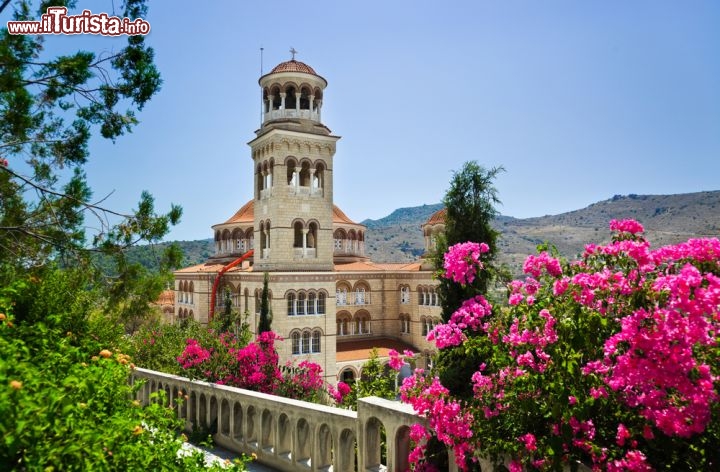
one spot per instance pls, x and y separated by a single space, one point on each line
396 361
340 392
536 265
469 316
626 226
253 367
451 423
193 355
462 261
625 330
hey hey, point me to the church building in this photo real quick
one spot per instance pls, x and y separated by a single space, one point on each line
330 303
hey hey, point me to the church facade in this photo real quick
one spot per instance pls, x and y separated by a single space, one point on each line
329 302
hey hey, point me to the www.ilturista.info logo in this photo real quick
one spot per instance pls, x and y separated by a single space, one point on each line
57 21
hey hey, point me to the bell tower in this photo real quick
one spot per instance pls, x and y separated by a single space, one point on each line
293 162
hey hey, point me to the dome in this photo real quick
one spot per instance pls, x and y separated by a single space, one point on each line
437 218
293 66
246 214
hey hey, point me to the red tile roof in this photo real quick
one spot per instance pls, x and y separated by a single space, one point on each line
167 297
438 217
293 66
368 266
211 267
246 214
340 217
359 350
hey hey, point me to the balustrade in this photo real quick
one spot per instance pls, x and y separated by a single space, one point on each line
288 435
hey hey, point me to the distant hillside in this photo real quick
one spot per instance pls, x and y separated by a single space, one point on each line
398 238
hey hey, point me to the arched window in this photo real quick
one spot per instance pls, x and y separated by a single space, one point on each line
343 324
341 296
291 167
305 345
311 306
305 174
360 296
319 177
404 295
291 304
363 323
321 303
301 307
298 234
315 347
424 324
312 235
296 343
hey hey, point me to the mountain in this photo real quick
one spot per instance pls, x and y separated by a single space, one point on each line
667 219
397 237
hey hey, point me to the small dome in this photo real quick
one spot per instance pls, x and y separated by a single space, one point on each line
437 218
293 66
246 214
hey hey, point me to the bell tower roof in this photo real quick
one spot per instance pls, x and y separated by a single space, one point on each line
292 98
293 66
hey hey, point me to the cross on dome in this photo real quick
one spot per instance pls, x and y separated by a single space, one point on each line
293 52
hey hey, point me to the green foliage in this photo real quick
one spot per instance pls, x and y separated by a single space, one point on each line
377 380
157 345
265 313
470 203
65 399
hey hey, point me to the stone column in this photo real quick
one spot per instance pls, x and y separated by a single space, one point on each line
282 100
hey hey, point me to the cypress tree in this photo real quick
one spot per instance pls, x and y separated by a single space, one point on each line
470 204
265 312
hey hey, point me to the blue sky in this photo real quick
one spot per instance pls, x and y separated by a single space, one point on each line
579 101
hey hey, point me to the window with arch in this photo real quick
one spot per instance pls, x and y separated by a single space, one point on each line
362 323
301 304
341 295
321 303
298 235
319 177
344 324
425 324
360 296
405 295
296 343
291 307
311 303
405 324
305 345
312 233
315 346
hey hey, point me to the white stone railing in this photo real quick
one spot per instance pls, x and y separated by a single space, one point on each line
288 435
304 253
303 190
292 435
291 113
